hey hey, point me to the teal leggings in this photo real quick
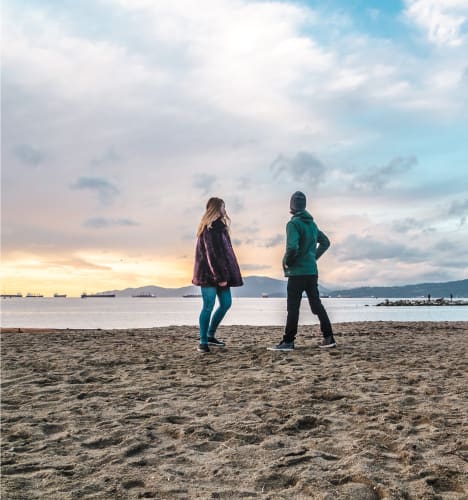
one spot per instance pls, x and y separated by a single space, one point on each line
208 323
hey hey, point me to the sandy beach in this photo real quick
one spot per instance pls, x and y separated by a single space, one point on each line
110 414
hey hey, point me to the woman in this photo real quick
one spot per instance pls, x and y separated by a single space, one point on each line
216 270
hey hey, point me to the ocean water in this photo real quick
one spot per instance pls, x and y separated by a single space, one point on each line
129 312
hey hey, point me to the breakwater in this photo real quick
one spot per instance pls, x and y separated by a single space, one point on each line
423 302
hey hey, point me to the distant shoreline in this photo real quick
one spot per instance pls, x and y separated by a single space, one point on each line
426 303
258 286
420 299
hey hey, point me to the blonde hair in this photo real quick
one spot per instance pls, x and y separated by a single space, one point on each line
213 212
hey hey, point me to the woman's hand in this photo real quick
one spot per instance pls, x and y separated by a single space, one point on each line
223 283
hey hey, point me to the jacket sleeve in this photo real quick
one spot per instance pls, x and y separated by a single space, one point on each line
215 254
323 244
292 244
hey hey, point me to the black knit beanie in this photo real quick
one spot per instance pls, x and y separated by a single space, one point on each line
298 202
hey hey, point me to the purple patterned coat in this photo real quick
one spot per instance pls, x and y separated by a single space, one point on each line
215 260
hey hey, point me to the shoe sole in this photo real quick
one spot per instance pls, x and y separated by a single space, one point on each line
216 345
279 350
203 352
327 346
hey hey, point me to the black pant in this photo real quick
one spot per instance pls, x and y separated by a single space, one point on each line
296 286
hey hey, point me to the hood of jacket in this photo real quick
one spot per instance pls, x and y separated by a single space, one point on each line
303 216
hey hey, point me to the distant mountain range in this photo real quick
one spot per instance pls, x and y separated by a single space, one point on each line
256 286
436 290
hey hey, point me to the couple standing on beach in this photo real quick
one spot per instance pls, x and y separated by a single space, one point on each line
216 271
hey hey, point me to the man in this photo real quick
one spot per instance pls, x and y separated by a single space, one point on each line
305 243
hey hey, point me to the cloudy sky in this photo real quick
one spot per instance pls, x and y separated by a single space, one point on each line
121 117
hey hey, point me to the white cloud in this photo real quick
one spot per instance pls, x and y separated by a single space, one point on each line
194 97
242 58
37 51
348 79
442 20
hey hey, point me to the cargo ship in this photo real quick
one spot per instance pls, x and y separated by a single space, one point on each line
97 295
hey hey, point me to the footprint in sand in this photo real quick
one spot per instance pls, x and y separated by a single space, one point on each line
50 429
275 482
133 483
359 491
305 423
135 449
100 442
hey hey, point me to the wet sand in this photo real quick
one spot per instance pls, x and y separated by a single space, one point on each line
140 414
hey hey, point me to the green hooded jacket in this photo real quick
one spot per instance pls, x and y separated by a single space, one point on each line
302 252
